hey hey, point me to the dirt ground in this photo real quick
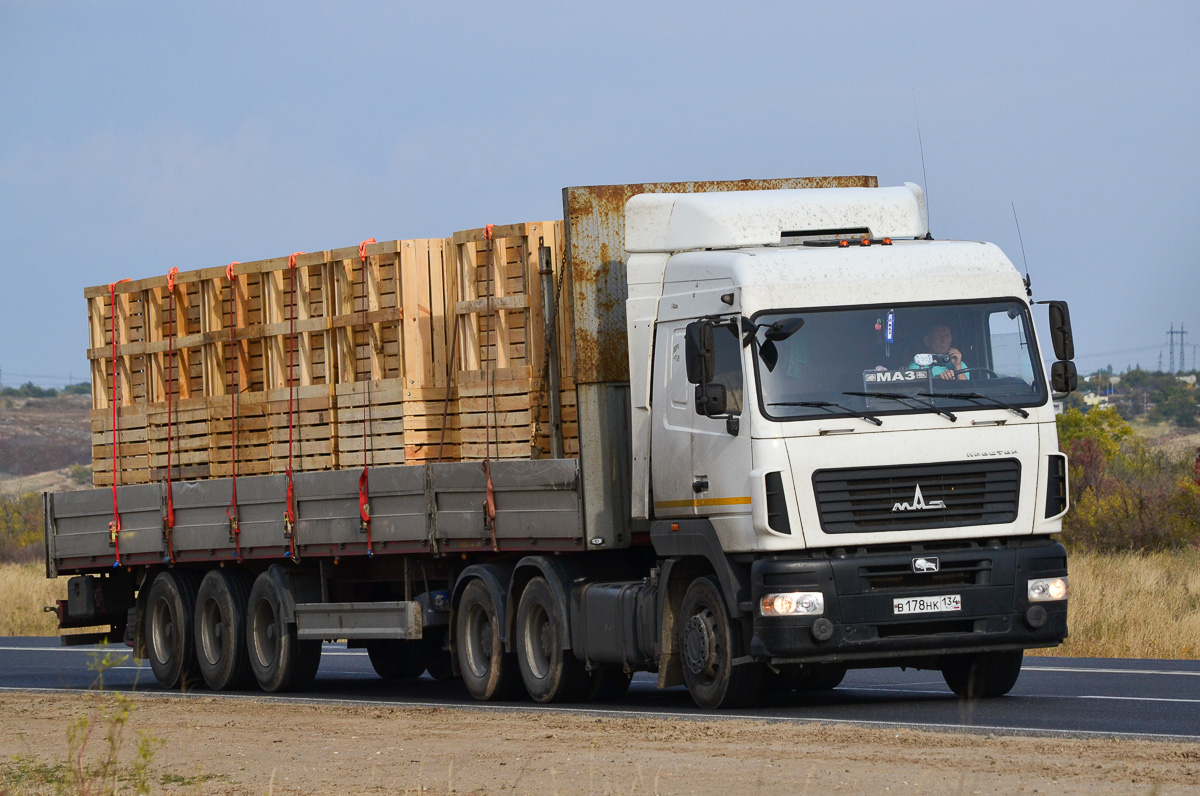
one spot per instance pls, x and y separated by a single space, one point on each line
213 746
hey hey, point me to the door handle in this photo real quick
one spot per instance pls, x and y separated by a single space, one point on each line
700 485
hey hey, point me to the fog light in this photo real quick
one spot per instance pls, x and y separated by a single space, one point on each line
797 603
1047 589
1035 617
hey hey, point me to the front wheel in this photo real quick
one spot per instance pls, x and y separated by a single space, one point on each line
279 660
709 645
983 676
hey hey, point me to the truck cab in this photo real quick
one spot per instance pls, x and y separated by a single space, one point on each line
857 417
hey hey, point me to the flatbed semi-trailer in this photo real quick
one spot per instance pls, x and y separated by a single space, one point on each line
710 430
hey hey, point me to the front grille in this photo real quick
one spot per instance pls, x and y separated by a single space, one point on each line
950 573
903 498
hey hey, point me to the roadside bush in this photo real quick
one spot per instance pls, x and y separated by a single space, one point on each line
20 528
1125 494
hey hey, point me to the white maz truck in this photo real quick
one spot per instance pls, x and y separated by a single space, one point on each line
832 445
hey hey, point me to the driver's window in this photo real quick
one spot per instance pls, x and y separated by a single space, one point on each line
1010 346
727 366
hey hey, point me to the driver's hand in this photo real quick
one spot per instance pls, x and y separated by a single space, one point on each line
955 358
946 374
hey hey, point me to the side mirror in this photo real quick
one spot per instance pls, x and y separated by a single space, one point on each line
1063 376
699 352
783 329
1060 330
711 400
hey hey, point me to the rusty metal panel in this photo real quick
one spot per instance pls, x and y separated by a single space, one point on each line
595 241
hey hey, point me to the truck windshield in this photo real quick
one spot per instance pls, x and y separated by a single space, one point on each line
942 358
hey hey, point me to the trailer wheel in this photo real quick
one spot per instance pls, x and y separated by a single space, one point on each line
394 659
607 684
279 660
487 670
984 675
170 641
708 646
221 629
550 673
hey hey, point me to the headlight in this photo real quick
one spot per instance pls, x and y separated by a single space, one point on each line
1047 589
796 603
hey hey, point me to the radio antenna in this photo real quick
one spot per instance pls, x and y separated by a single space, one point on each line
1024 261
924 176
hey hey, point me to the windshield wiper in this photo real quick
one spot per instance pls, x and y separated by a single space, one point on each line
899 396
828 406
974 396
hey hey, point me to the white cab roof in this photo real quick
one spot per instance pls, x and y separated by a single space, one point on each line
663 222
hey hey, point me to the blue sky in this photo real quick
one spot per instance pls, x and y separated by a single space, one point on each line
139 136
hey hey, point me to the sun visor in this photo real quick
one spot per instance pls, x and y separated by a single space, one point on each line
735 219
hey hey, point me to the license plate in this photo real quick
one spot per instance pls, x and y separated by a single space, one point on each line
926 605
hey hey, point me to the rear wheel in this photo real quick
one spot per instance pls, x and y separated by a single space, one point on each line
170 642
221 629
279 660
437 658
984 675
708 646
395 659
487 670
550 673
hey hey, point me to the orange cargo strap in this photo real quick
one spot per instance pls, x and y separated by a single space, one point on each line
289 510
169 519
231 511
364 499
114 527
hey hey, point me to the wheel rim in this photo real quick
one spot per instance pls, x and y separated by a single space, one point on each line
479 641
212 631
702 645
266 635
162 631
538 641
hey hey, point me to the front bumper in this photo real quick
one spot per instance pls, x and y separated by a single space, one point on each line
860 588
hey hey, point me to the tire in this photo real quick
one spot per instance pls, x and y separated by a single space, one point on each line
550 673
220 625
487 670
169 618
279 661
983 676
437 658
607 684
394 659
708 645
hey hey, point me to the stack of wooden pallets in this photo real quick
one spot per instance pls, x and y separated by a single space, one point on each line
426 350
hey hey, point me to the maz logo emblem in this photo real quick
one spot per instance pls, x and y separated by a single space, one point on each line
919 504
925 564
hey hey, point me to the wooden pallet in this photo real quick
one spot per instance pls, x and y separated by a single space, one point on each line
430 349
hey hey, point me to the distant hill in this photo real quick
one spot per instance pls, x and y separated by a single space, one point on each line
39 435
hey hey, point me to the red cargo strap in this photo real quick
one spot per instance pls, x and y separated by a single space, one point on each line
364 499
231 511
489 505
169 519
114 527
289 510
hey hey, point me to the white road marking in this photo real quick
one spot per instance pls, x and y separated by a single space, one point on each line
1105 671
1139 699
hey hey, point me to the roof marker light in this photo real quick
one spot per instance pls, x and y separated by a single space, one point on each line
865 242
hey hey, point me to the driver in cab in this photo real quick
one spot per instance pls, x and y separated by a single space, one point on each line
946 361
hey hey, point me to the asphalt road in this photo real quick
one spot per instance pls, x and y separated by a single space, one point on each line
1068 696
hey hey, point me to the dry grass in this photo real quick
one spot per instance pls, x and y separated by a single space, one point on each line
1133 605
1124 605
24 589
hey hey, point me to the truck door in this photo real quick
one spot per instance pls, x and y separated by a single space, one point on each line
698 467
721 460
